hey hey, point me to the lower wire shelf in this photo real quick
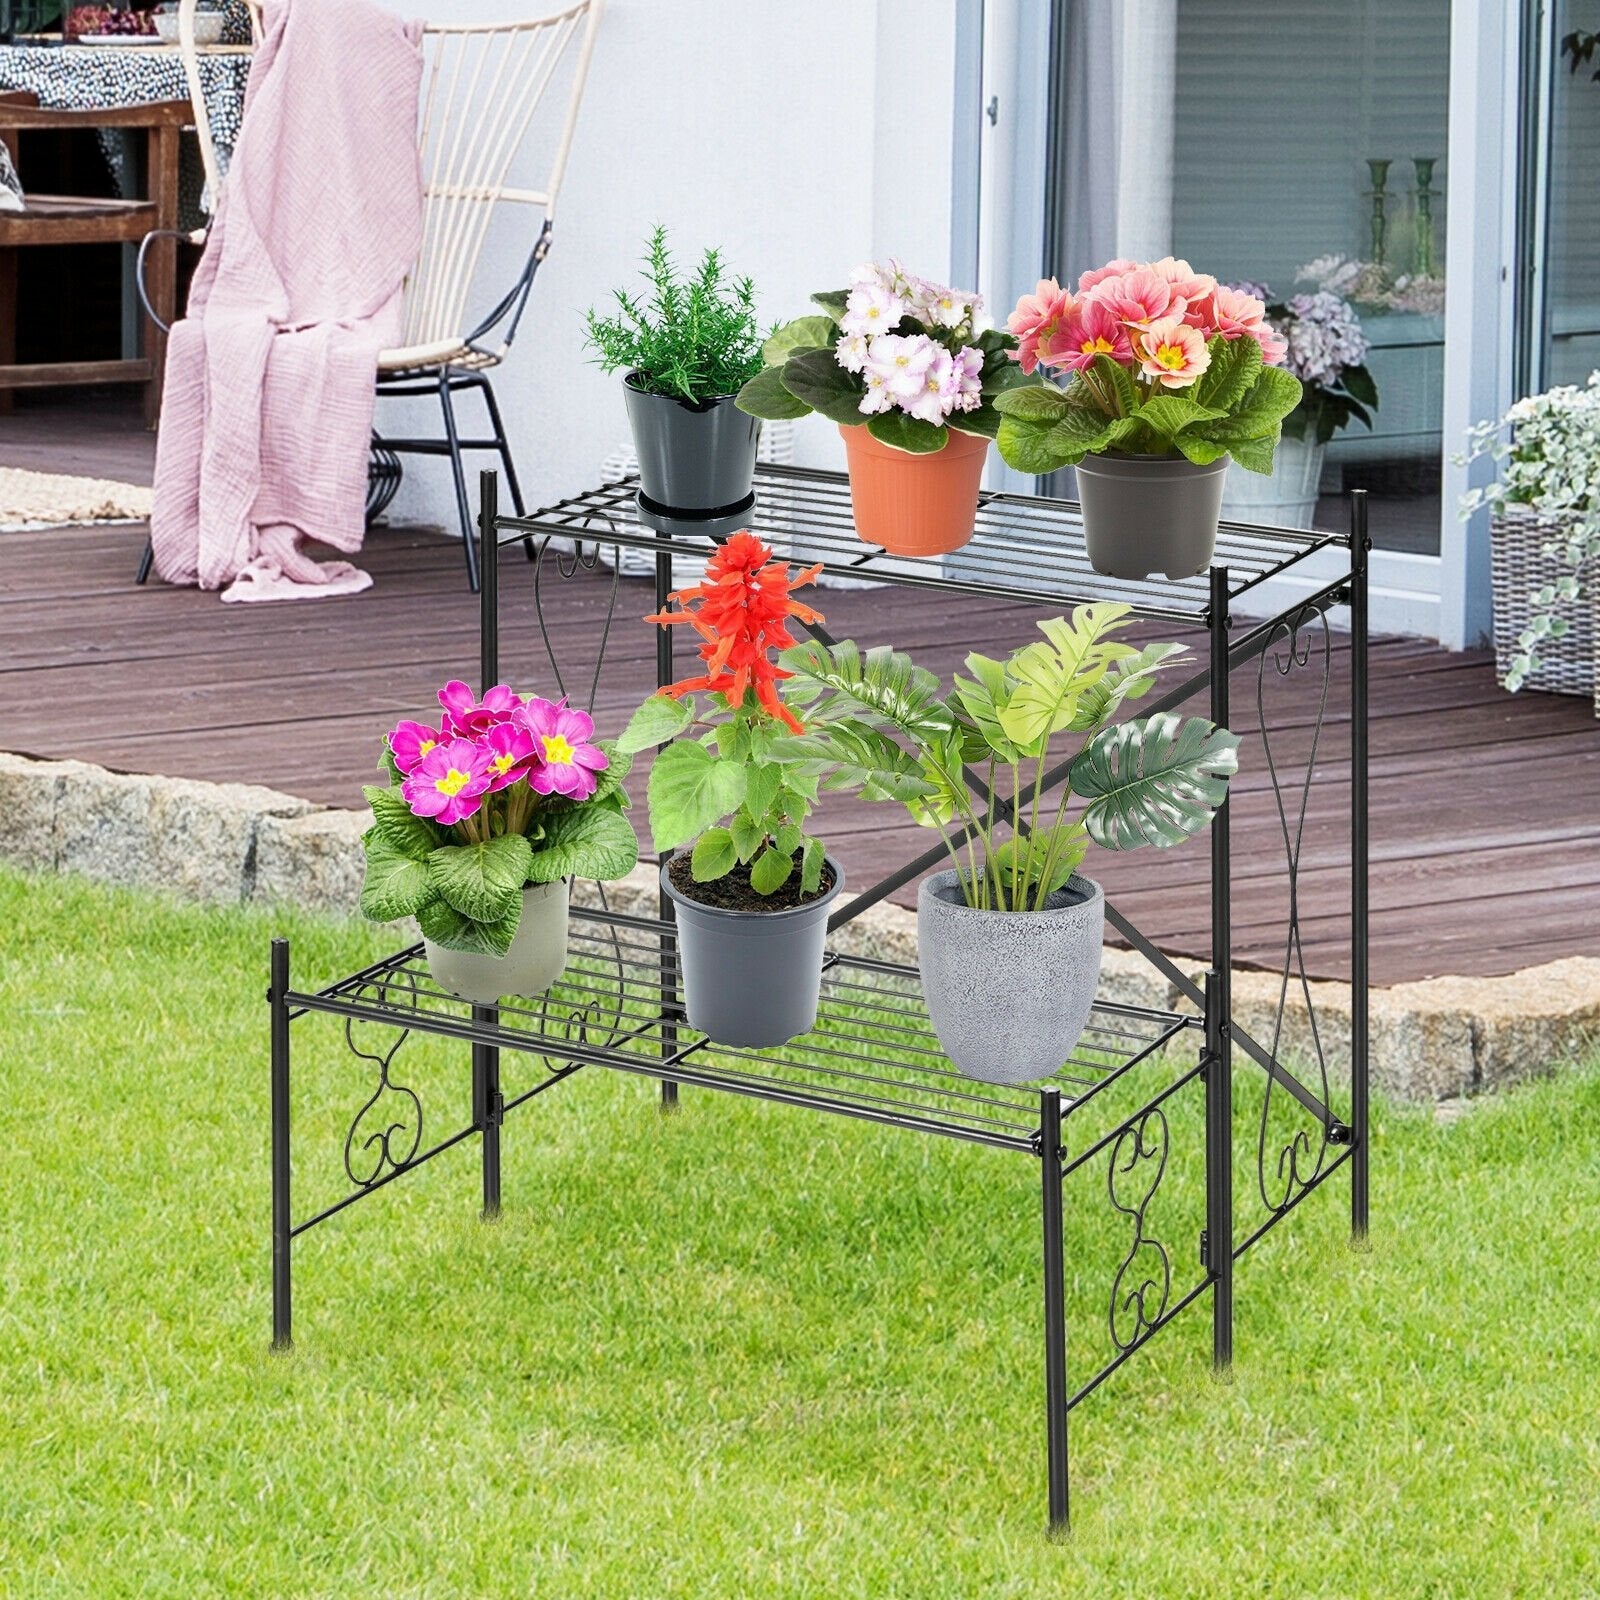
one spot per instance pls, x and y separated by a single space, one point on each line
872 1055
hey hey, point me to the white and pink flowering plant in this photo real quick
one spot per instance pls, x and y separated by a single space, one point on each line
1158 359
492 796
907 357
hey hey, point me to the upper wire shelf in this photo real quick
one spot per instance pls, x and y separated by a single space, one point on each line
1024 547
872 1054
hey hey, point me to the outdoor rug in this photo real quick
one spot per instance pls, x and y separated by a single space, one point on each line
51 500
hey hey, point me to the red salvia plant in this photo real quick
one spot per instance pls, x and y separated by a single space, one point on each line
721 789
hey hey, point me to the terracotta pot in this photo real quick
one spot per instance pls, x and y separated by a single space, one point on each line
913 505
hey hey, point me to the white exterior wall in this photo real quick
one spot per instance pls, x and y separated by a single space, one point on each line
800 139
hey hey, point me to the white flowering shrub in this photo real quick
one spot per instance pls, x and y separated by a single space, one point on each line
1547 448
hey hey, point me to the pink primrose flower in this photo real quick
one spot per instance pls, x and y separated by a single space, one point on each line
1092 330
409 742
1172 352
467 718
567 759
1036 319
449 783
1112 269
512 752
1139 298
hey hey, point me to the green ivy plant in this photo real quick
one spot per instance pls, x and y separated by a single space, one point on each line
878 723
692 338
1235 408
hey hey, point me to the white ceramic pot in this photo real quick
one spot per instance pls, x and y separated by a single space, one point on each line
1287 499
1009 992
536 958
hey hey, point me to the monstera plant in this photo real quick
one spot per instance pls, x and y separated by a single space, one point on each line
1020 767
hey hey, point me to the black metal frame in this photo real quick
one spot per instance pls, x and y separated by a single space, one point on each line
618 1006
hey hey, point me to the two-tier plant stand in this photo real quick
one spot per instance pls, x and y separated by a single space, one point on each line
873 1056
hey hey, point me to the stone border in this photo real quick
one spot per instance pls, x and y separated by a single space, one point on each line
235 844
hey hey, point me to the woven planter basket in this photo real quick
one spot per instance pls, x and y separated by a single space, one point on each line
1519 566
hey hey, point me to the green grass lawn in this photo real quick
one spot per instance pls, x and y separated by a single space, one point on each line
740 1352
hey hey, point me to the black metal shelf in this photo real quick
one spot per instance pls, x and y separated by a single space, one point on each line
872 1055
1024 547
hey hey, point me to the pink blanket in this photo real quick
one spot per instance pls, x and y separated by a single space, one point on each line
269 389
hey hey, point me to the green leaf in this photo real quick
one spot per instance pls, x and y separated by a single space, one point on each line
833 301
1041 447
1235 365
714 855
984 420
812 856
1042 861
1038 402
690 790
816 378
482 880
1117 378
442 923
396 885
787 839
1359 386
608 783
883 685
589 841
748 833
765 396
1200 449
1156 781
853 755
1129 679
770 871
1272 397
1050 675
804 333
911 434
660 718
390 767
761 788
983 697
1167 415
413 836
1001 375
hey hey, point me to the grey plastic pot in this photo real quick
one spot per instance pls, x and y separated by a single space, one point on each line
1009 992
696 458
751 978
1144 514
537 957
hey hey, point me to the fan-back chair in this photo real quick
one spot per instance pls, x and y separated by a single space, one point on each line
483 85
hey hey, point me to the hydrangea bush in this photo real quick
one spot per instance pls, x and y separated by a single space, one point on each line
1547 449
1158 360
1326 349
908 357
500 793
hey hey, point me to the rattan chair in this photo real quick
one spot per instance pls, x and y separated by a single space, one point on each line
483 87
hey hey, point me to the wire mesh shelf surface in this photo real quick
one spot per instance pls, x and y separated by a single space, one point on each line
872 1054
1023 547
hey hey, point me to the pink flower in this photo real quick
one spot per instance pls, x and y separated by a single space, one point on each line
567 760
1188 284
512 753
1138 298
409 742
961 383
1237 315
1036 319
466 718
449 782
1092 330
1112 269
901 363
1172 352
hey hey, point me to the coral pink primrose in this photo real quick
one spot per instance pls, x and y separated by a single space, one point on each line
449 783
1092 330
1139 298
1037 318
1172 353
1112 269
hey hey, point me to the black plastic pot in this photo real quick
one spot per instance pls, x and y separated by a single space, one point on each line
751 978
697 458
1144 514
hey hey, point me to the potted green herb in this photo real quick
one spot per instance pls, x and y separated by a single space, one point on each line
1010 936
1169 375
686 349
751 889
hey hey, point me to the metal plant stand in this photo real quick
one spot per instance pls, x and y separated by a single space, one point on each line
873 1056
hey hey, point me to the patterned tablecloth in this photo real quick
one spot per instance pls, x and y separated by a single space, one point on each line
81 77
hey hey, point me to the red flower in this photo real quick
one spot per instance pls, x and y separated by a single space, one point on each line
740 610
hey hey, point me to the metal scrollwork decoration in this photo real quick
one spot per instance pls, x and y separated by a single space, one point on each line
386 1133
1302 642
570 557
1143 1284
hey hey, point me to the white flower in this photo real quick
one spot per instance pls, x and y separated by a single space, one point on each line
872 309
877 397
851 352
902 362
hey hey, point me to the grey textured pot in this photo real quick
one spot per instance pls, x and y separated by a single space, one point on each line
537 957
751 978
1144 514
1009 992
696 458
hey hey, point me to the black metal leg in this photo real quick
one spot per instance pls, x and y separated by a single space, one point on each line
503 445
447 402
1359 1169
282 1332
1219 1015
488 1109
669 986
1055 1309
146 561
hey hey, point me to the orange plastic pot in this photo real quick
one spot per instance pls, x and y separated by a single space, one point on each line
913 505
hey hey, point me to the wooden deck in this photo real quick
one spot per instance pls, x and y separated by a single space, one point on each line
1485 807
